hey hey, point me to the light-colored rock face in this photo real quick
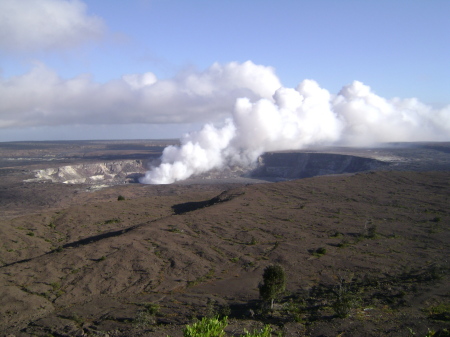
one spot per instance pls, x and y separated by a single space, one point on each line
109 173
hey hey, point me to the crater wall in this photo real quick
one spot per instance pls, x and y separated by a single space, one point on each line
108 173
294 165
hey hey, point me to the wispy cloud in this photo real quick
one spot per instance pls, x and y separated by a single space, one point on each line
41 25
41 97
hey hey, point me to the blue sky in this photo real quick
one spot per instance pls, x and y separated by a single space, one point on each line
398 48
401 45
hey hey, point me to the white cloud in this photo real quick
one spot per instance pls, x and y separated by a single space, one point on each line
138 81
40 97
369 118
36 25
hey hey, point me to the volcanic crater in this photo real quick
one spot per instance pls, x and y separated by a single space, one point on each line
80 261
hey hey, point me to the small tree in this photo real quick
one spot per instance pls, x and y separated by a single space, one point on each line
274 283
345 300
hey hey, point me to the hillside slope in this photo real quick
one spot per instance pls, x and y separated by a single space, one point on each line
93 264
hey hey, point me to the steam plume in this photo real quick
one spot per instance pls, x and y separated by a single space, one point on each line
298 118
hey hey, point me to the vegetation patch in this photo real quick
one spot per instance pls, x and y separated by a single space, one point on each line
214 327
319 251
440 312
111 221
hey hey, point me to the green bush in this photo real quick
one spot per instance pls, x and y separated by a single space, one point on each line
440 312
213 327
321 251
214 309
344 243
295 309
372 232
344 302
143 319
439 333
342 306
264 332
207 327
146 316
151 308
120 198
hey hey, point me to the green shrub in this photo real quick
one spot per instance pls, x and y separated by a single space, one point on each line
144 319
344 243
120 198
321 251
213 327
146 316
368 232
151 308
55 285
372 232
345 300
342 306
214 309
264 332
336 234
207 327
440 312
295 309
439 333
436 272
110 221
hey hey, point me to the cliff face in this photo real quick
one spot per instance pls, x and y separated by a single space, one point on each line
115 172
304 165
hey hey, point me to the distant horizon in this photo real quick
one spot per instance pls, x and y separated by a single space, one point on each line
95 140
176 141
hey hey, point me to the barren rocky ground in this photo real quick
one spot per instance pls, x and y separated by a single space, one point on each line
77 261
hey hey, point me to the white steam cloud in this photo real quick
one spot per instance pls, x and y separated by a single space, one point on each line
298 118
